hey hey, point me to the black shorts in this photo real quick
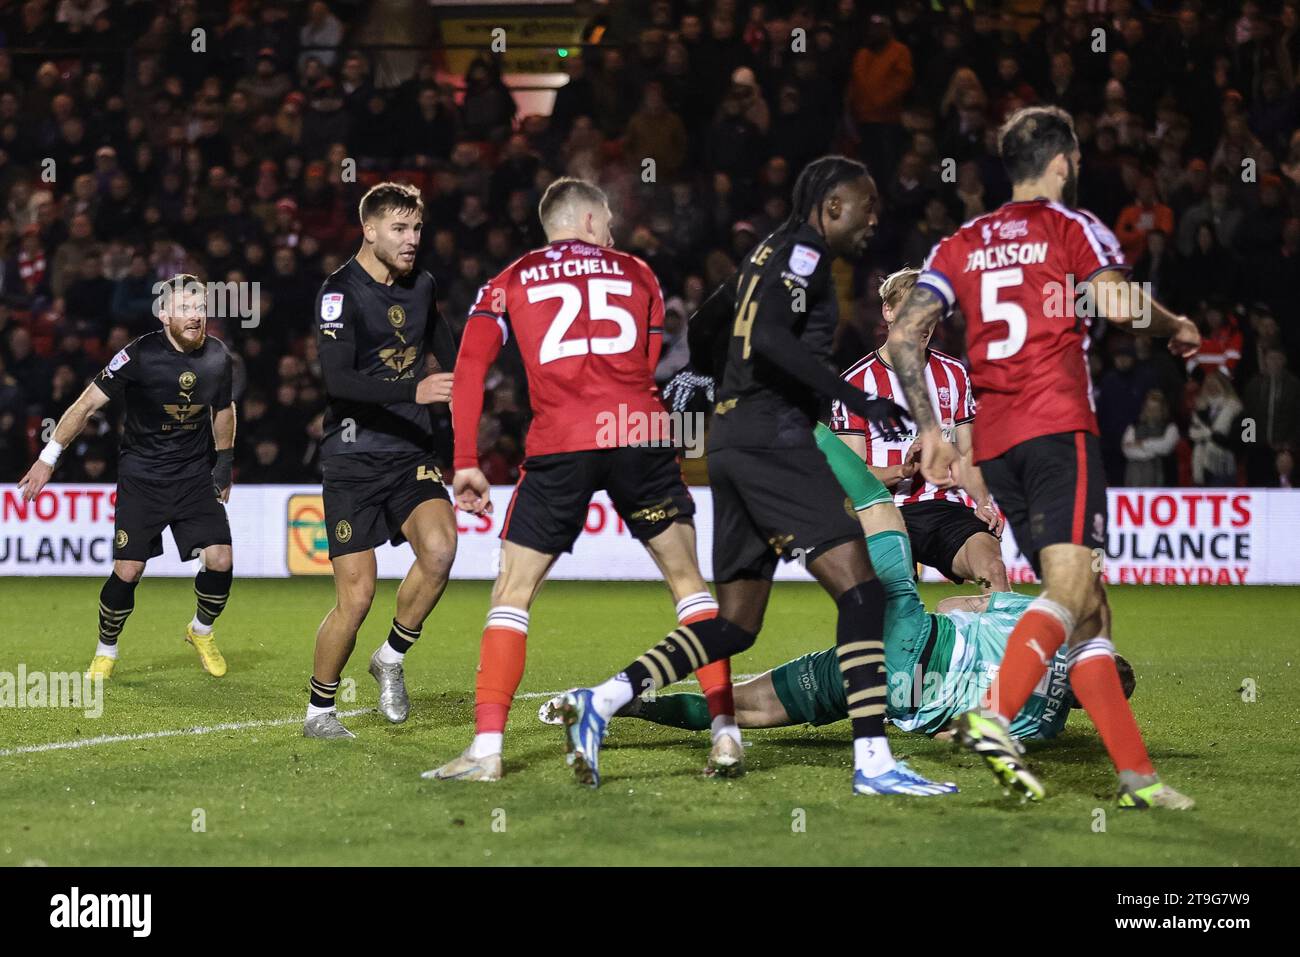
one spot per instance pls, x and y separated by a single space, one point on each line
938 529
1053 491
146 506
548 510
368 497
770 503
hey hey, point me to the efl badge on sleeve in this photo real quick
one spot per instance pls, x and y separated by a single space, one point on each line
803 260
331 305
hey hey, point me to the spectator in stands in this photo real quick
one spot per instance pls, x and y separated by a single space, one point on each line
1135 221
1284 474
1217 209
1149 444
1213 431
881 79
1121 395
1220 339
1272 406
656 132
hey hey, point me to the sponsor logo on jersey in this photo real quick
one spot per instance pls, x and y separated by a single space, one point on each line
182 412
804 259
118 361
331 305
399 360
1013 229
396 316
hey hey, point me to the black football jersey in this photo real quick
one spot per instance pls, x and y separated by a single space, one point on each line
170 396
786 278
386 333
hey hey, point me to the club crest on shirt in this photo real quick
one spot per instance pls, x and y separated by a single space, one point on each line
396 316
331 305
803 259
187 381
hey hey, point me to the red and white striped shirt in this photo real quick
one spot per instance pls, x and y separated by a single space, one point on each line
950 396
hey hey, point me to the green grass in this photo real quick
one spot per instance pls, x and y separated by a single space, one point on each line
271 797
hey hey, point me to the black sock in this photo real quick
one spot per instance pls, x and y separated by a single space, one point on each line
212 589
401 638
860 647
323 692
685 649
116 600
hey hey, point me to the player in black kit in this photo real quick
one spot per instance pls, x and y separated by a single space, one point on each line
377 324
774 495
175 466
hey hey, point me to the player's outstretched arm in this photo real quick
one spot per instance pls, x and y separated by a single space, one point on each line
776 342
68 428
917 316
1127 304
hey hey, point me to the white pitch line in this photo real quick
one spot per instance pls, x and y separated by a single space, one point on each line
149 735
213 728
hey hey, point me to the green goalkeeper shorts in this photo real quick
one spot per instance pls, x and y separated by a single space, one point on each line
812 689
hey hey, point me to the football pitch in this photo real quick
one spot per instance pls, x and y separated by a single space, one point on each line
201 771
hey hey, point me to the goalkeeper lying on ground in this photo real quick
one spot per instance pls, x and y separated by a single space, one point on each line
938 665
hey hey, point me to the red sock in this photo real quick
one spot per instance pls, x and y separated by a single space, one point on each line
1035 639
714 678
1095 682
500 669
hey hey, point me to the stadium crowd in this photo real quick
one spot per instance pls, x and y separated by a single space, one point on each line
117 169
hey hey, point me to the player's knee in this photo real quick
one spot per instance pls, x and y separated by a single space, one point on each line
218 559
725 639
436 555
128 571
354 601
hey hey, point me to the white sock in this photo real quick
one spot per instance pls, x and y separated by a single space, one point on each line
695 603
108 651
314 711
199 628
390 655
612 695
872 756
486 743
726 724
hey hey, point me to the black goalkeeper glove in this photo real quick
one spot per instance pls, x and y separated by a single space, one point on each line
223 472
885 414
683 389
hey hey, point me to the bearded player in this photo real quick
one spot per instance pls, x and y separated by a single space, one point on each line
588 320
377 325
1016 274
175 465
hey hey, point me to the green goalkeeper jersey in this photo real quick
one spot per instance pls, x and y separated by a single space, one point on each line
973 650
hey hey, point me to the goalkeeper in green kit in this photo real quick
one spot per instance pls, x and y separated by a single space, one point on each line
937 665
